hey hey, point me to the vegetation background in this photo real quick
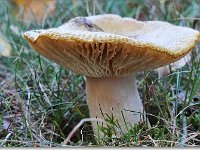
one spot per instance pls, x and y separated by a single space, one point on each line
41 102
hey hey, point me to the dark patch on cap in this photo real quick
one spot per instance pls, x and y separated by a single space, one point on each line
81 21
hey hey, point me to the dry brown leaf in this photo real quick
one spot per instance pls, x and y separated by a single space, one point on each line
34 10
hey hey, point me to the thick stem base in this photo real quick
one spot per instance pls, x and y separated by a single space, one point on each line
113 95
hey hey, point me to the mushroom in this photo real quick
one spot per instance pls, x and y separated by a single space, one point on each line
109 50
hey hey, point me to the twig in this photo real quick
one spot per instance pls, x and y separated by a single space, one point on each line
78 125
185 109
6 139
191 137
154 142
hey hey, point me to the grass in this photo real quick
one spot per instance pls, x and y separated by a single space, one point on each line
41 102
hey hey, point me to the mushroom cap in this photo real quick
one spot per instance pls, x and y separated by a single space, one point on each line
109 45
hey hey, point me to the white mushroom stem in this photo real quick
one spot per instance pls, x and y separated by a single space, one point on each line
113 95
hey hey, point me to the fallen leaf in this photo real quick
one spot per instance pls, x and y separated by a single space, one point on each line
34 10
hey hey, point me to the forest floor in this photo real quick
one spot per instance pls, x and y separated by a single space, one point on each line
41 102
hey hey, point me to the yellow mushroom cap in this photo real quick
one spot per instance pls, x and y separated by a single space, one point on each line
109 45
